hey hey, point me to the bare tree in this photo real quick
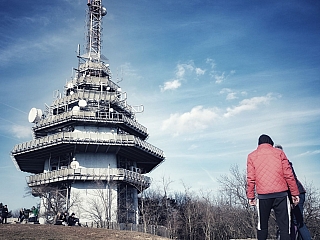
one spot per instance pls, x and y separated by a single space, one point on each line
233 187
312 210
54 199
98 204
208 215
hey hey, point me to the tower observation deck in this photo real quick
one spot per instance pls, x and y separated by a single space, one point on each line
88 143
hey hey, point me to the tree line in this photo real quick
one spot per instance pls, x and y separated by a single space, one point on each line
192 216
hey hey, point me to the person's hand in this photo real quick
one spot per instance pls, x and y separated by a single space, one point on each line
252 202
295 200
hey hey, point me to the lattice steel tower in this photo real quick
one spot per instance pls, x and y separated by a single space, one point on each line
88 143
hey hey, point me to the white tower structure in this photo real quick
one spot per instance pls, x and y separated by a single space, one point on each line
88 143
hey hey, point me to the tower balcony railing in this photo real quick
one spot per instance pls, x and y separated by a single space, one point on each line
86 95
90 174
90 116
91 95
87 138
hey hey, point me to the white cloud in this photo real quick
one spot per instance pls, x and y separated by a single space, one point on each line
200 118
20 131
171 85
182 69
219 78
211 62
230 94
200 71
225 90
248 104
197 119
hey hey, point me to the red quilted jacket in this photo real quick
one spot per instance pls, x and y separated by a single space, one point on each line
268 171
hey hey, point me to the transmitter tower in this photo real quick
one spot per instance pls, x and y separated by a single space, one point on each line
88 143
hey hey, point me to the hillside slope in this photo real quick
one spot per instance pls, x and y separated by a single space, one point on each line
42 232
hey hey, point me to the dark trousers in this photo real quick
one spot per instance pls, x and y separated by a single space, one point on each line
297 213
281 207
4 219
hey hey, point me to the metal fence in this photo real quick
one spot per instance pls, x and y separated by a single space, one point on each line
151 229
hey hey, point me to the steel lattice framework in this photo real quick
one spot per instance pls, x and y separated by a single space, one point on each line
95 13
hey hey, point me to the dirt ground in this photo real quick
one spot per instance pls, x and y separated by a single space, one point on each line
51 232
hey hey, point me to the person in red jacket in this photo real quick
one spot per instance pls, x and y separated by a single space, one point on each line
269 175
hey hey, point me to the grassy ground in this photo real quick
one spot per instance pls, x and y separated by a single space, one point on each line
41 232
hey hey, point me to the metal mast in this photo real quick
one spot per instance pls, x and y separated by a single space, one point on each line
95 13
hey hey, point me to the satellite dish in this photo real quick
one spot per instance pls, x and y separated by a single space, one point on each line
103 11
34 115
82 103
70 85
76 108
74 164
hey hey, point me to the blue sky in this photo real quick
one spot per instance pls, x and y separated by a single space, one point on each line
212 76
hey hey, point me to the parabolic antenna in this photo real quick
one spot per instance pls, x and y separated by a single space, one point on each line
82 103
34 115
75 108
70 85
103 11
74 164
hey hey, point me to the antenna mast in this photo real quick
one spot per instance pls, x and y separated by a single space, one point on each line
95 13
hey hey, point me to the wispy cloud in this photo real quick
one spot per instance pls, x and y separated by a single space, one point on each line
127 71
29 49
20 131
200 118
218 76
181 72
200 71
308 153
231 95
13 107
248 104
211 62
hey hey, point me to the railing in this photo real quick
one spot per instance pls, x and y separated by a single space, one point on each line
87 95
85 115
90 174
91 138
92 95
151 229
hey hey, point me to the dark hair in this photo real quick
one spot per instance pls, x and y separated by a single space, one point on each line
265 139
278 146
